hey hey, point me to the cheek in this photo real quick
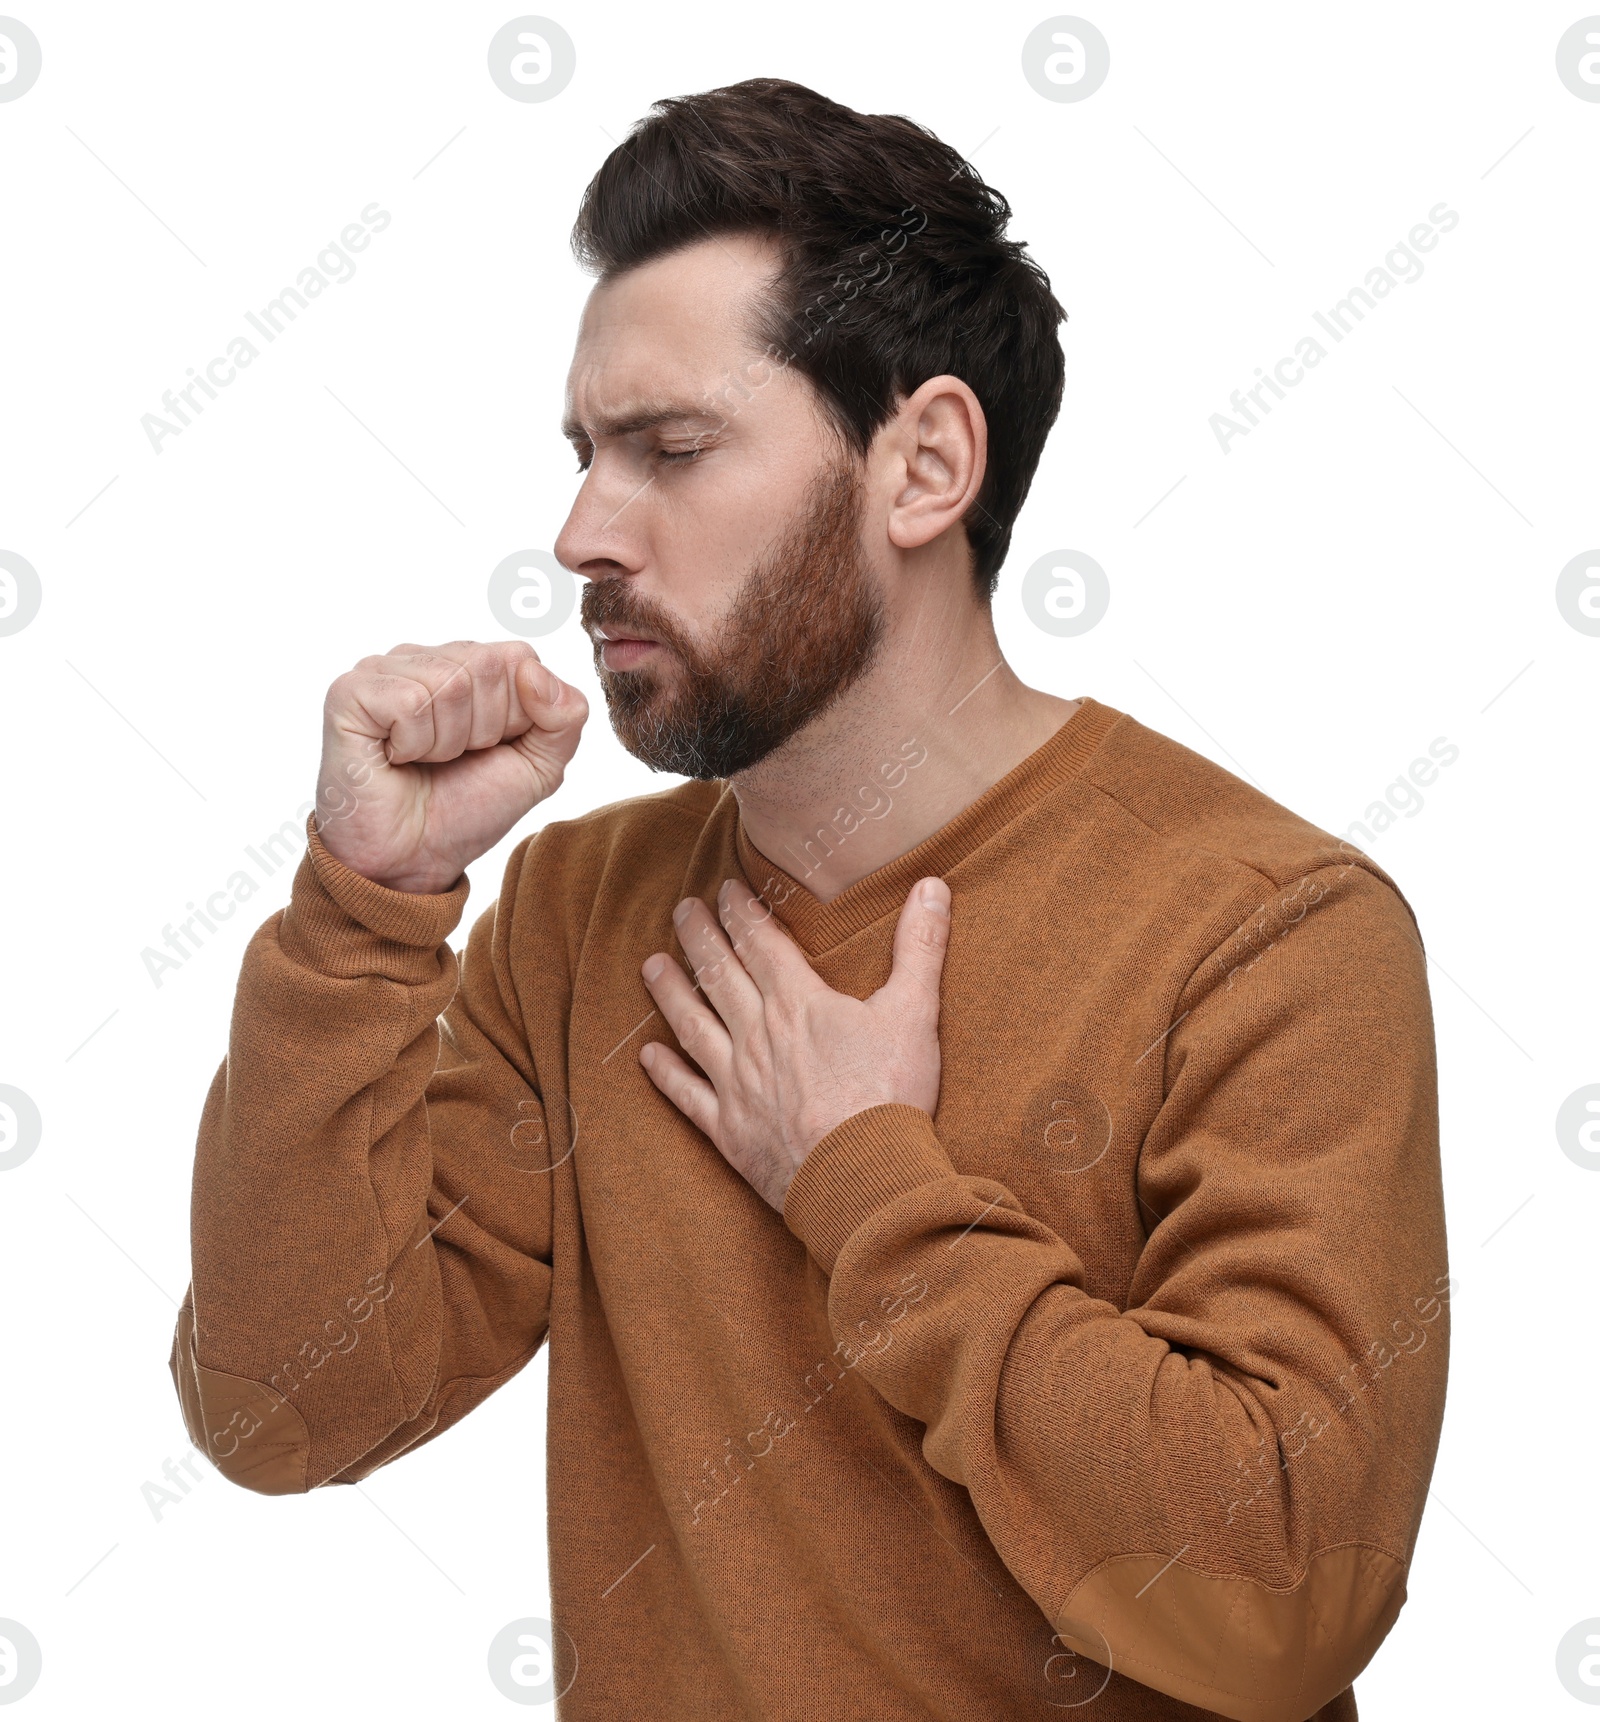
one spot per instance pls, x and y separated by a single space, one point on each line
703 549
712 524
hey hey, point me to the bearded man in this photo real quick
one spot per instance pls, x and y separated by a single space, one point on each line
974 1160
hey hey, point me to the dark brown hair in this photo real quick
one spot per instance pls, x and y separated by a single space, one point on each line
896 265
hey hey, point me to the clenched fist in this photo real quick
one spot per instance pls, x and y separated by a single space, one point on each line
430 754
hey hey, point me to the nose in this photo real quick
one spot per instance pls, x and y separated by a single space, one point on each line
594 543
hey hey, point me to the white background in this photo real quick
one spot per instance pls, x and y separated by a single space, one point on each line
1371 568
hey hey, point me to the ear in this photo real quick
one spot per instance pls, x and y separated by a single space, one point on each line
940 441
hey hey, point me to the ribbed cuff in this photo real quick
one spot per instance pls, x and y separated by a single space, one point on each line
859 1167
341 923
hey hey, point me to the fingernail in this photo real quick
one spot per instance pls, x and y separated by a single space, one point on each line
933 897
681 913
653 967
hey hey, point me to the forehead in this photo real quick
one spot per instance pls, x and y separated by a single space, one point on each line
671 328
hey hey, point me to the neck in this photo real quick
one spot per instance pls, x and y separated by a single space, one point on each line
938 719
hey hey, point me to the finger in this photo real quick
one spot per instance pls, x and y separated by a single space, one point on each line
693 1096
470 694
542 700
921 938
507 678
770 956
461 651
699 1030
353 752
395 711
493 707
717 969
490 676
433 726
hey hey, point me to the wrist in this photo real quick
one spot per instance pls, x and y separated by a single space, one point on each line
419 878
340 922
412 884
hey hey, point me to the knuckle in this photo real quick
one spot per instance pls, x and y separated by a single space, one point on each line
484 664
453 688
352 689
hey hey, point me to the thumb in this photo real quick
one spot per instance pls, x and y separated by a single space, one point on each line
920 940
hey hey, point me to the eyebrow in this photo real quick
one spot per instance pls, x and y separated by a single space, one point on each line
645 416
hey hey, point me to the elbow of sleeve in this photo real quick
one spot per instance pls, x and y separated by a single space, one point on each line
252 1434
1234 1645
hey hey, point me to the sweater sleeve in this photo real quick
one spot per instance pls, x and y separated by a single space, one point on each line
370 1221
1215 1490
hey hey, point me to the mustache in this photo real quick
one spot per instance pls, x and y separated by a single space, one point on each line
604 606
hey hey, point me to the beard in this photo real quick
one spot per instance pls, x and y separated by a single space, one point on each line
805 625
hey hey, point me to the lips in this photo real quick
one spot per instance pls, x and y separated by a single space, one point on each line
623 652
610 637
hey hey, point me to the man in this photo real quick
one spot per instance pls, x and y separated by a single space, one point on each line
974 1160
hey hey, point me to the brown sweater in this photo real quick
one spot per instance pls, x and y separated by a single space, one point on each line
1119 1379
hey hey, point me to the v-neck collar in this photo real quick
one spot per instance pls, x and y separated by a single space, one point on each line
817 926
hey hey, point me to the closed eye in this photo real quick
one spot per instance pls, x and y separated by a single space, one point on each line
670 456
